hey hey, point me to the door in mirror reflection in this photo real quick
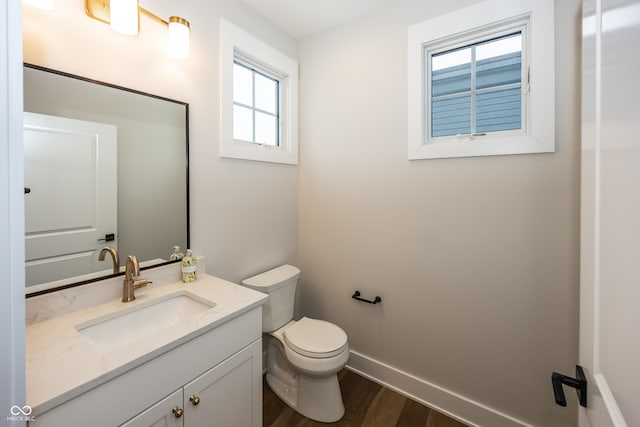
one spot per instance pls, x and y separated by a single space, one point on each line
71 172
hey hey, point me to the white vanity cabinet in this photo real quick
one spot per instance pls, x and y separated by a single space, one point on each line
166 413
229 394
221 368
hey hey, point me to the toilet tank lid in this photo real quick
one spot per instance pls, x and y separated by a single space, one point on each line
272 279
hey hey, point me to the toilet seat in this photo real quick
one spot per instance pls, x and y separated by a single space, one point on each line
314 338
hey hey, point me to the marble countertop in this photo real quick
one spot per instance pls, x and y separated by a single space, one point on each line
62 364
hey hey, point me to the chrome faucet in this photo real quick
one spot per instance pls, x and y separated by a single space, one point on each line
130 284
114 257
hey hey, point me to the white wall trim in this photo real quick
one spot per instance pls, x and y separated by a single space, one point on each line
445 401
12 357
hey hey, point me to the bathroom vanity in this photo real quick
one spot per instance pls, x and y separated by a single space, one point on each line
180 354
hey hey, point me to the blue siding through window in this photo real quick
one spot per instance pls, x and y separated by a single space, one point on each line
496 98
451 80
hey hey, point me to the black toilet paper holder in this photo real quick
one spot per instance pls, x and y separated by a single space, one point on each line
356 295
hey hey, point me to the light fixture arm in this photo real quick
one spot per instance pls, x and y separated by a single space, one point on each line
153 16
176 19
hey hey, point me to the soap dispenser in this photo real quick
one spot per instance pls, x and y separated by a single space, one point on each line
176 255
189 267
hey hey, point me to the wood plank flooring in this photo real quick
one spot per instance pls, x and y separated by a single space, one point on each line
367 404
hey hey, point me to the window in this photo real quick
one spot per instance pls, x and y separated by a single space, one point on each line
258 99
476 89
472 91
256 105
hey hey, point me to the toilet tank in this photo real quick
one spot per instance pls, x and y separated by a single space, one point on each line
280 284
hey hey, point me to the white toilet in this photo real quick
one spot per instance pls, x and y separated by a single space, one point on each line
303 356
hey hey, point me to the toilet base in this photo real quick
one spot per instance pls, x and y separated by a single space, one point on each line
318 399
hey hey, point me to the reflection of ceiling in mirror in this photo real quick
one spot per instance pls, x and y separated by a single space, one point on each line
152 213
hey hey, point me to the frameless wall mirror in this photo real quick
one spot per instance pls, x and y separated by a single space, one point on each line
105 166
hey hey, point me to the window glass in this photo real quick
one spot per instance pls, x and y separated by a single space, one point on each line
242 123
242 85
451 58
256 106
502 46
266 129
266 94
477 88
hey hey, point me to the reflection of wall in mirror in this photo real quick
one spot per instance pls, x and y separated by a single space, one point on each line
151 181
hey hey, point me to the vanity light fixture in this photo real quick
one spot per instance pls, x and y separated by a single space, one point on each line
179 37
41 4
124 17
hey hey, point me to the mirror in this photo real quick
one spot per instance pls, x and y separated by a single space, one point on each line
104 166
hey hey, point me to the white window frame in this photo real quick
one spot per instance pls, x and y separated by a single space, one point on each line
236 43
463 27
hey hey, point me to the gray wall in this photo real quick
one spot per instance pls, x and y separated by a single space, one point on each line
476 258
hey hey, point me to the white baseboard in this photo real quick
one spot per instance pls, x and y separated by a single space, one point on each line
447 402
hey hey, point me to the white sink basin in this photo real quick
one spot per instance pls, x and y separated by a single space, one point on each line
142 321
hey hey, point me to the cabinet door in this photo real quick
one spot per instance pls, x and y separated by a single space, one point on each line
166 413
228 395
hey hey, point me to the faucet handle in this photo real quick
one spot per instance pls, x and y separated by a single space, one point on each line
132 271
141 283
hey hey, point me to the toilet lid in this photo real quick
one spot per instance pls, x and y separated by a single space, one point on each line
315 338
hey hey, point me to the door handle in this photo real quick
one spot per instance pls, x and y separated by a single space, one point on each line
27 190
579 383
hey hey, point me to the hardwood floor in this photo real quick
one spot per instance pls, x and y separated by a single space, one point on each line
367 404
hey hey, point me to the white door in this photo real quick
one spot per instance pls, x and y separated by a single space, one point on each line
610 246
71 177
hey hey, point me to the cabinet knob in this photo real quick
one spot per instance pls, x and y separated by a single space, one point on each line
177 412
195 400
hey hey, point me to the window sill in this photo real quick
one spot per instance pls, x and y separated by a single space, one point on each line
264 153
473 146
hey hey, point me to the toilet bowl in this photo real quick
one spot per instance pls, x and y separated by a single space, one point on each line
304 356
